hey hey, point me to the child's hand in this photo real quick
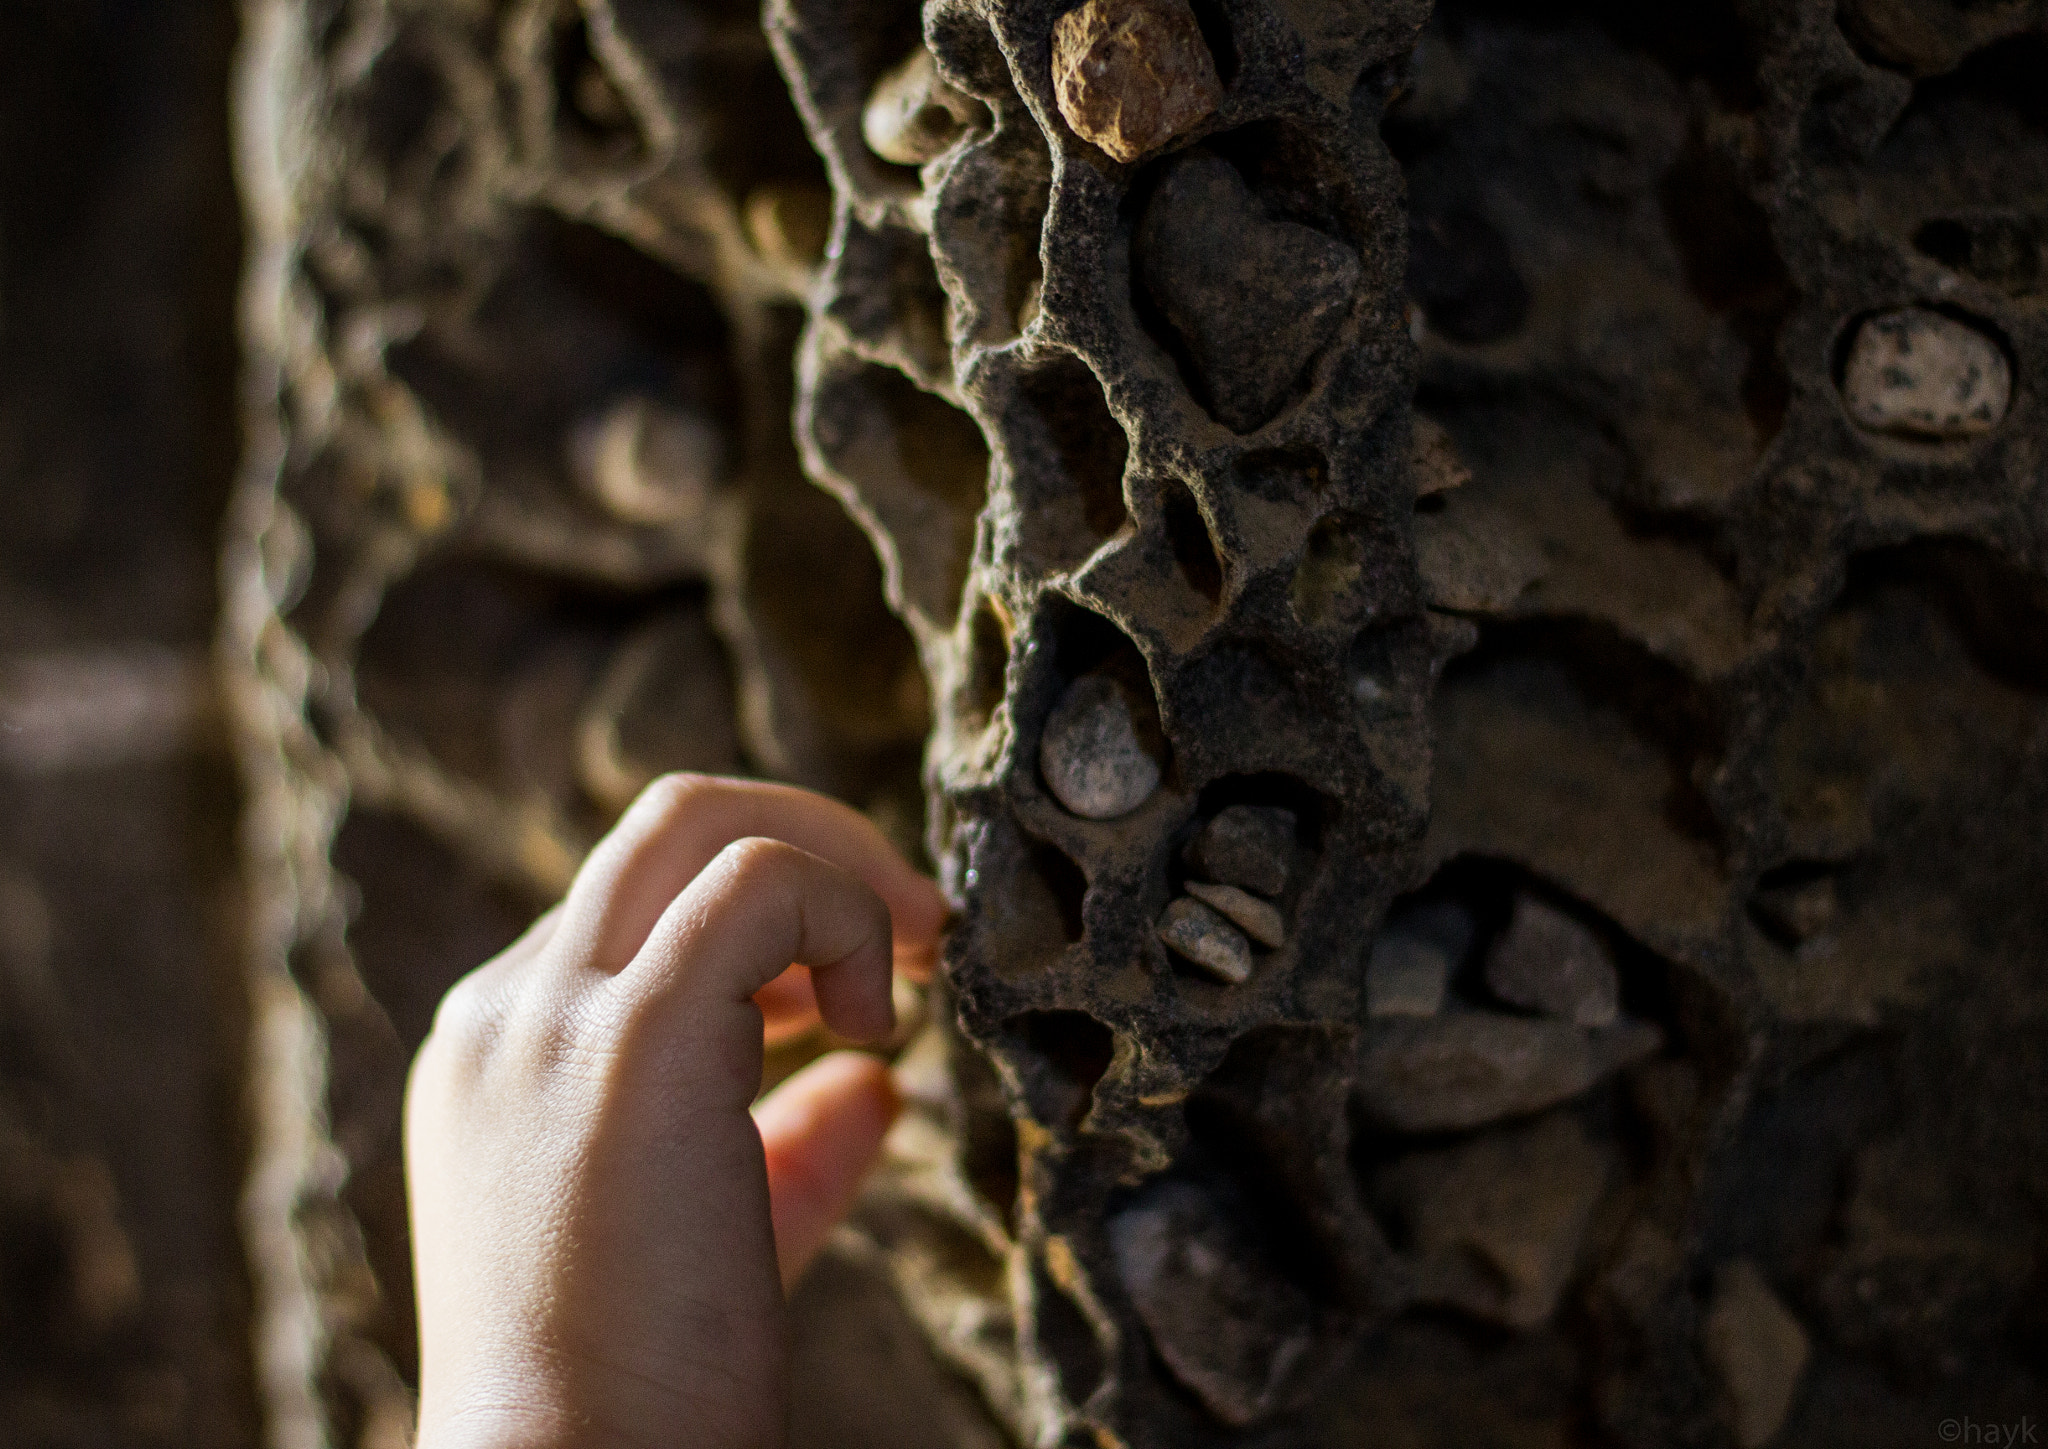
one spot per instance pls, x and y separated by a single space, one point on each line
591 1199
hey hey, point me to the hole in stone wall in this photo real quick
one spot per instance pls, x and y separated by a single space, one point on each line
1214 21
589 109
405 93
1187 535
1732 265
919 466
1332 562
887 294
578 322
487 668
987 1133
1059 1057
1997 610
1033 902
1706 41
988 668
1463 276
1064 884
1997 247
1084 437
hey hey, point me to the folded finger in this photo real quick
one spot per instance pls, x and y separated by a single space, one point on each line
681 822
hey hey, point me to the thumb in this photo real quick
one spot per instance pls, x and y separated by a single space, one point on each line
821 1131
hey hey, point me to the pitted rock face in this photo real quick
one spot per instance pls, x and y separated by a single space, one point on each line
1348 474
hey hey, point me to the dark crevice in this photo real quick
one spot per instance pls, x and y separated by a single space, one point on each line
1084 442
1187 535
1059 1057
988 669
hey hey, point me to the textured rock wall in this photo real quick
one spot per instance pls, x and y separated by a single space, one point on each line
1476 582
124 1309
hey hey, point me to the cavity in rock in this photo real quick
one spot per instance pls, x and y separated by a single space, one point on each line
1093 755
1245 845
1252 299
1497 1221
1925 375
1468 1068
1201 935
1232 1333
1548 962
913 115
1130 75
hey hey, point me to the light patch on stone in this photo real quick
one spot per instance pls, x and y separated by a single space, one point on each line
1921 374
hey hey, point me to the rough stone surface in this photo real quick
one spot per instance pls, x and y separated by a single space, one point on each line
1757 1348
1202 936
1092 753
1925 375
1208 256
1465 1069
1549 962
1261 920
1131 75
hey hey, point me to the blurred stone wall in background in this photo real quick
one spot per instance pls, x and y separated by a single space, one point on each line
124 1305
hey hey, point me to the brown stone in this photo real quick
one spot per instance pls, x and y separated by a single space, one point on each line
1465 1069
1131 75
1549 962
1261 920
1757 1349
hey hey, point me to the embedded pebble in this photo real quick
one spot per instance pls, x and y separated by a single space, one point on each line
1091 753
1130 75
1246 845
1261 920
1551 963
1758 1350
1926 375
1498 1221
789 225
913 114
1468 1068
1204 937
1414 959
648 464
1208 254
1226 1324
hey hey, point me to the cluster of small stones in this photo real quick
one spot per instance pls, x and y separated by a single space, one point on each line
1482 588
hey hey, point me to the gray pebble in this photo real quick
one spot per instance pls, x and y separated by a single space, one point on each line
1922 374
1468 1068
1091 754
1198 933
1549 962
1261 920
1414 959
1246 845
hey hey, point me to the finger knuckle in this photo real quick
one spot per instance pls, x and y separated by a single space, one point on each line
679 793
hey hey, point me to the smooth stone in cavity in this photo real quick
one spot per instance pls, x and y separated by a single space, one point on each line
1497 1222
1201 935
1925 375
1468 1068
1414 959
1757 1349
1261 920
1091 755
1246 845
1253 297
1548 962
1130 75
647 464
914 115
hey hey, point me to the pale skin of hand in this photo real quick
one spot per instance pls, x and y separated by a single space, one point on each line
603 1231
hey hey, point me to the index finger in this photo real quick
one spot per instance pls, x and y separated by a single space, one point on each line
679 825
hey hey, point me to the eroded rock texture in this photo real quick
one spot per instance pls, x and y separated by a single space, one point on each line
1481 580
